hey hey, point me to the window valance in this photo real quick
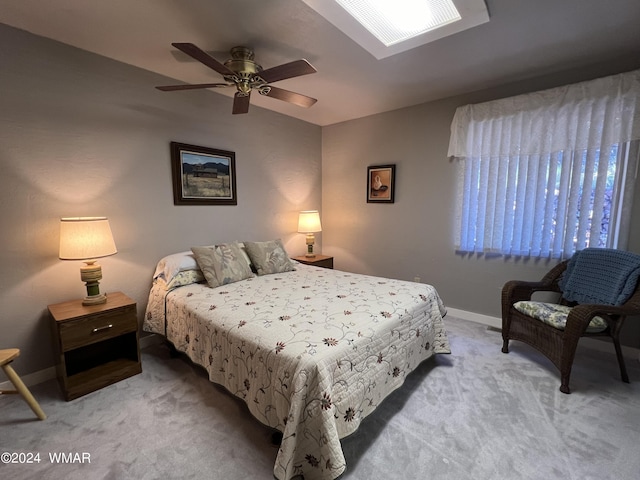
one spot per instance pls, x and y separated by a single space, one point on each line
549 121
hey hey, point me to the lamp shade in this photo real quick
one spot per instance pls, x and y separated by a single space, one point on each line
83 238
309 222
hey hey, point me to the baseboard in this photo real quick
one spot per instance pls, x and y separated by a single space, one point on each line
49 373
32 378
494 322
630 353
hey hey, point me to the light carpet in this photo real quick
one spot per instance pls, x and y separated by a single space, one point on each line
475 414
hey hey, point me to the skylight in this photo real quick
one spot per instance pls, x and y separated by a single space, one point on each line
389 27
398 20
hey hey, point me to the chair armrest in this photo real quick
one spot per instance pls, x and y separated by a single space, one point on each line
580 315
588 311
517 290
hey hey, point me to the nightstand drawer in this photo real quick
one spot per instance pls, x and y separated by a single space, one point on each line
96 328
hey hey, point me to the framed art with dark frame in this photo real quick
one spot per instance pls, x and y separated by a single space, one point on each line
203 175
381 183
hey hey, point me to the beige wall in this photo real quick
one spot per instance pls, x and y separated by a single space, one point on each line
84 135
414 236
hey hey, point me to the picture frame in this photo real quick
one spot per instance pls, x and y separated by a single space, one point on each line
381 183
203 175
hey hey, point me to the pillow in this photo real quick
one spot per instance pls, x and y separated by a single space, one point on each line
556 315
230 263
205 256
269 257
169 266
245 255
222 264
185 278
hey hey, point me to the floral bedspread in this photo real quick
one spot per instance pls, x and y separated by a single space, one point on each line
312 352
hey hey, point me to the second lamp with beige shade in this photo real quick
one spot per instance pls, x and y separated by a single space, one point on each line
309 223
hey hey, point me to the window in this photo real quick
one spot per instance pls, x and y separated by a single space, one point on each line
385 28
548 173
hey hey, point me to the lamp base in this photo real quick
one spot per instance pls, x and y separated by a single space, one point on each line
95 299
91 274
310 241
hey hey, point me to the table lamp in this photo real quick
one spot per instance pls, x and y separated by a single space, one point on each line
87 238
309 223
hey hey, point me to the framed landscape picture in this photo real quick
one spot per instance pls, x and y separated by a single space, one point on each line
381 183
202 175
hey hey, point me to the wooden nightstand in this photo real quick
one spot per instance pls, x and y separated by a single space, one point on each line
95 345
317 261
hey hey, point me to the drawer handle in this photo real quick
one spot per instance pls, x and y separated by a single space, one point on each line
100 329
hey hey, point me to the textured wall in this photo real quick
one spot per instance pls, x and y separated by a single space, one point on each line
414 236
84 135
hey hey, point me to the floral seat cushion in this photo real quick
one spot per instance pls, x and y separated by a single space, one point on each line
555 315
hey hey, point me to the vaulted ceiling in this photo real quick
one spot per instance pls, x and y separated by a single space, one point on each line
523 39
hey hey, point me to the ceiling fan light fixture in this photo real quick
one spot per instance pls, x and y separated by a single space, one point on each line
397 21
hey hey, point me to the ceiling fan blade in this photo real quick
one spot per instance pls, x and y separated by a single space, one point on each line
171 88
241 103
287 70
291 97
203 57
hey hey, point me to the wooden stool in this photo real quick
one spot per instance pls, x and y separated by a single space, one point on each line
6 357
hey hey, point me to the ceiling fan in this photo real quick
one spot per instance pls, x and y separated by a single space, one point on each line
242 72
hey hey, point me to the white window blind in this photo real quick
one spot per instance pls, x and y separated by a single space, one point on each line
548 173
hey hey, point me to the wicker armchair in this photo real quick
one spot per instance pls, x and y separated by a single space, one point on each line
560 345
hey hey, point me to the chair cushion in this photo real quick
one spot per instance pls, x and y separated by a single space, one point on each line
556 315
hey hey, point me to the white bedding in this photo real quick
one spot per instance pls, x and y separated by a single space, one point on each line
312 352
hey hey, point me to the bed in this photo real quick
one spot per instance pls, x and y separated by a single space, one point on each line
311 351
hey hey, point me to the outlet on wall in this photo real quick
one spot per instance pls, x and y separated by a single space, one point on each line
416 279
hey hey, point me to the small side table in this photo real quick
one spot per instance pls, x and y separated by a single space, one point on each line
95 345
318 261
